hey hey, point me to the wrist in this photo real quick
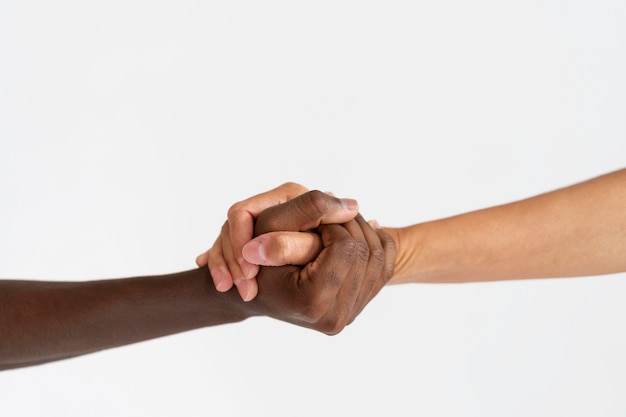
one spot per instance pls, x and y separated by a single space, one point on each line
418 255
213 306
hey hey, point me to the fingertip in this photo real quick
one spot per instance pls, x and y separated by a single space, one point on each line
248 289
222 280
375 224
249 270
254 253
349 204
343 210
224 285
202 259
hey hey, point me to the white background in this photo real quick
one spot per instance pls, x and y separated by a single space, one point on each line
127 129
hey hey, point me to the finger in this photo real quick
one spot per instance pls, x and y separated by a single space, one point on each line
248 289
389 246
359 279
216 263
242 215
203 259
231 258
222 264
229 273
283 248
306 212
321 280
375 264
242 223
386 272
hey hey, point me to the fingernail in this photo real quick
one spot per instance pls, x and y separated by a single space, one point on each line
244 290
248 270
349 203
254 252
374 224
222 280
223 286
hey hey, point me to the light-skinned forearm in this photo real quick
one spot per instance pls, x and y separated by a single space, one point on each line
578 230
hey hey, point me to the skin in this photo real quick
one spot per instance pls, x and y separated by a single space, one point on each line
225 259
578 230
44 321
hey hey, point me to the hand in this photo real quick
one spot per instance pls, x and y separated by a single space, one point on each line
355 262
226 259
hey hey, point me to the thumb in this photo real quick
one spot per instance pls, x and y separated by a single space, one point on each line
283 248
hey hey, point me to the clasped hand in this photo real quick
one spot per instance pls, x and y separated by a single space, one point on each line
314 261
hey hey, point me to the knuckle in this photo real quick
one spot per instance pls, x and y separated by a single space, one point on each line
316 304
282 247
350 246
236 211
378 256
293 188
332 325
318 201
362 252
358 250
313 310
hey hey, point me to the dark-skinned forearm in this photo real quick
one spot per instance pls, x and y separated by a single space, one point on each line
47 321
43 321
